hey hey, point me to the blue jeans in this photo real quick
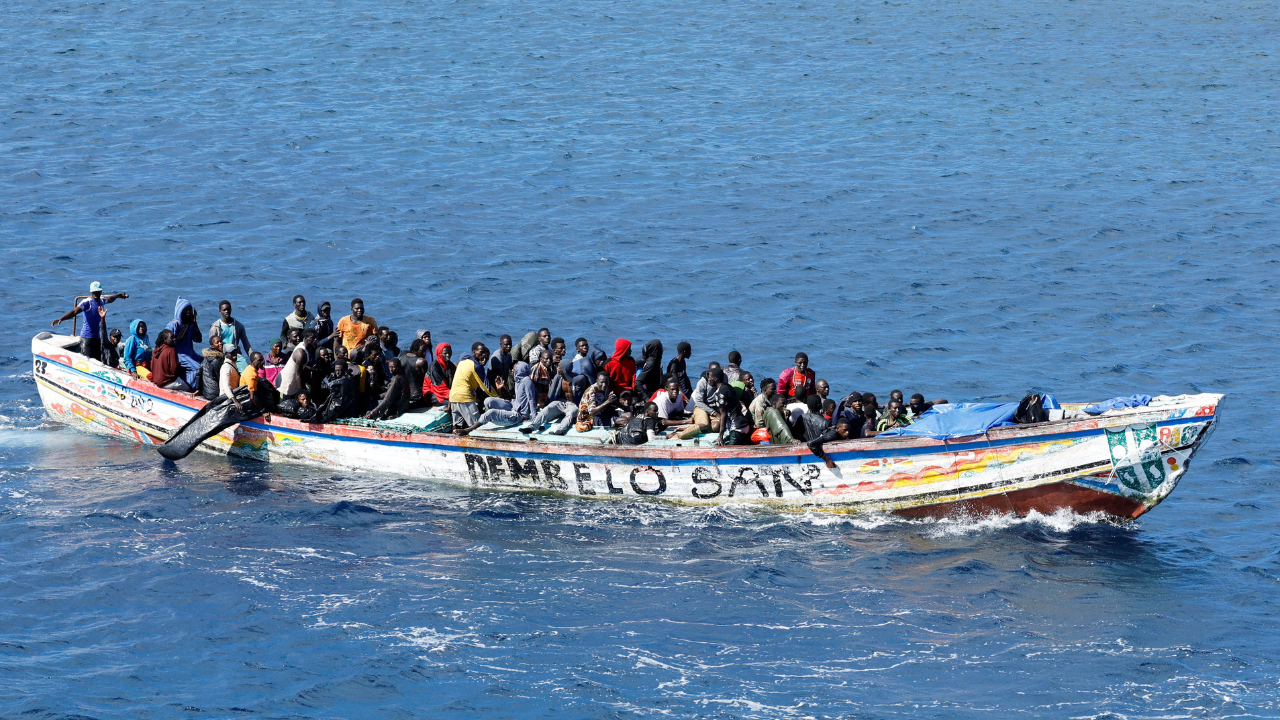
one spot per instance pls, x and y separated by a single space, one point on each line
559 409
499 412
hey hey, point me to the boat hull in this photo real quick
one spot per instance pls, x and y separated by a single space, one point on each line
1120 465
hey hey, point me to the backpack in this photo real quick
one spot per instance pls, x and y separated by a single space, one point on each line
1030 410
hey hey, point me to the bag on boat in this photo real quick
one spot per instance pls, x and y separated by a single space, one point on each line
761 435
1030 410
212 419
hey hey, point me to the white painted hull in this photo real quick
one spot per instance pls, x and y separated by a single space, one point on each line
1120 464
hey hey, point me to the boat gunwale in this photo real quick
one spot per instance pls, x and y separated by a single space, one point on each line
757 454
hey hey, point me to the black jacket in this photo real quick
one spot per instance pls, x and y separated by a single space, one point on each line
210 368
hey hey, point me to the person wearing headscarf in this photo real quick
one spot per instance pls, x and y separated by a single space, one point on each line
649 378
186 333
439 378
621 367
137 349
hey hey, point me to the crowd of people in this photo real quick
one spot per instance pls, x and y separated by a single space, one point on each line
320 371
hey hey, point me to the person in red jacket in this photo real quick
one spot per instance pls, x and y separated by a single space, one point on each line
438 381
794 378
166 370
621 368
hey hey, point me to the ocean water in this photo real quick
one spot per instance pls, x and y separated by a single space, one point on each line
968 200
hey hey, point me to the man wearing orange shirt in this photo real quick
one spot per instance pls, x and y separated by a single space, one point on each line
354 328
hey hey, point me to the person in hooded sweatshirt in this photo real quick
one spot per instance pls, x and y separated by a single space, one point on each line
621 367
136 356
505 413
438 381
186 333
649 376
211 368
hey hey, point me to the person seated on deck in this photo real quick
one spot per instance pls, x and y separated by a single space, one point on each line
733 371
231 331
273 362
835 433
292 340
541 368
796 378
621 367
343 395
850 409
354 328
469 383
166 368
558 345
371 379
672 406
918 406
678 369
229 373
211 368
892 417
744 388
299 319
438 383
896 395
870 408
796 409
415 366
730 414
822 389
324 326
599 405
319 371
135 359
185 336
501 363
390 344
812 422
829 410
776 423
298 407
710 366
293 377
642 427
395 398
559 398
707 402
111 349
92 307
503 412
761 401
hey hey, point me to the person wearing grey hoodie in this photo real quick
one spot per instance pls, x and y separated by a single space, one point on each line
506 413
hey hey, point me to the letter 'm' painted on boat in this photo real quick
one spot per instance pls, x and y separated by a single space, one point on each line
551 474
742 479
608 482
496 470
583 476
662 481
529 469
703 475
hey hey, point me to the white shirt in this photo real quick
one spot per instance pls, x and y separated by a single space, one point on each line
225 384
666 407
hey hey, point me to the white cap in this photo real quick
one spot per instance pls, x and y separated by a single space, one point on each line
95 286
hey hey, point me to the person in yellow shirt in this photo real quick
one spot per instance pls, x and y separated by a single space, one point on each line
354 328
469 382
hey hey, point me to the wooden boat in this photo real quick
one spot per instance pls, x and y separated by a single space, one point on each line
1121 463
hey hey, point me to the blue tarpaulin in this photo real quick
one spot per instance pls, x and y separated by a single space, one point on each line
1119 402
956 420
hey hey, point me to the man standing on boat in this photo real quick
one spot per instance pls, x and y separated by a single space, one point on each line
354 328
95 309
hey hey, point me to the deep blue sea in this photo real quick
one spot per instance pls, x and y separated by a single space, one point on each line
968 200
